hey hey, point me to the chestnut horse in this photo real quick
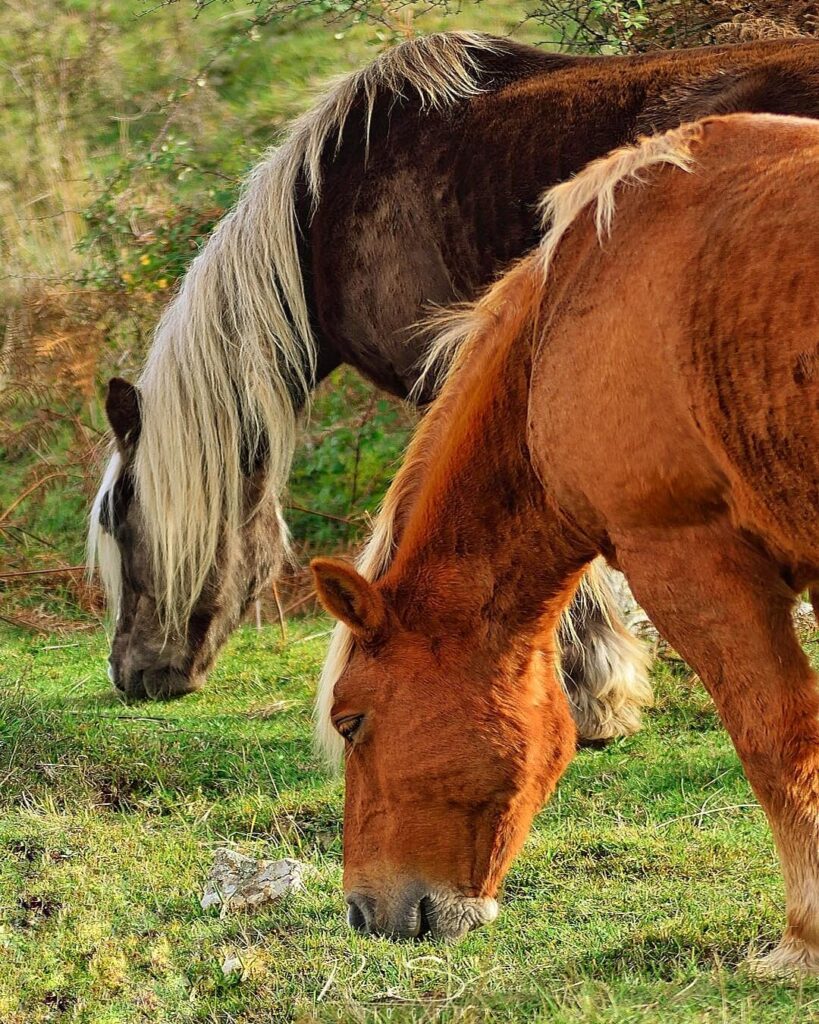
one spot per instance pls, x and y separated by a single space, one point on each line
412 182
644 387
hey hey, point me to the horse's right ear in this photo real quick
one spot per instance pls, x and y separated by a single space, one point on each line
122 409
350 598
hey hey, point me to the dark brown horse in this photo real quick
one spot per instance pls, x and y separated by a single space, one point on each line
411 185
653 399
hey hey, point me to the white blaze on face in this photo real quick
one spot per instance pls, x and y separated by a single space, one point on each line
102 550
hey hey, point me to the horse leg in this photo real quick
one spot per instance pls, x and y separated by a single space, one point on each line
724 606
605 668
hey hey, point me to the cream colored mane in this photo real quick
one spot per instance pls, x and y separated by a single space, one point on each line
234 354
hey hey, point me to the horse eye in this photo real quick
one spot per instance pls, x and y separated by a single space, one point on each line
349 726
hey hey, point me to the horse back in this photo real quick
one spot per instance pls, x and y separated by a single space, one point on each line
439 201
678 376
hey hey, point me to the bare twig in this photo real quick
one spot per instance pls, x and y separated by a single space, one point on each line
322 515
42 572
297 604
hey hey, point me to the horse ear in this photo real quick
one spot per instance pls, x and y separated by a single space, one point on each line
122 409
347 596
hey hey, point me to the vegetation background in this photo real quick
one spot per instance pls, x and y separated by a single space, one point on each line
125 130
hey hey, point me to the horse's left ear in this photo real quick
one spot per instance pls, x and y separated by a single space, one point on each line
347 596
122 409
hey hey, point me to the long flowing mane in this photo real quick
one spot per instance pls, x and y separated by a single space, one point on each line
233 358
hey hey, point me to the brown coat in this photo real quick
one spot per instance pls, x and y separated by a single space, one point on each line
446 199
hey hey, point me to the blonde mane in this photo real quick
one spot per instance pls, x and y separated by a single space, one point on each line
234 355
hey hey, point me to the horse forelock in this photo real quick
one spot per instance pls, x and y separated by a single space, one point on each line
234 354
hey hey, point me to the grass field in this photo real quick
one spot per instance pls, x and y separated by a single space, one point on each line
639 893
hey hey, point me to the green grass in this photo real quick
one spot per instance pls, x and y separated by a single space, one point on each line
639 893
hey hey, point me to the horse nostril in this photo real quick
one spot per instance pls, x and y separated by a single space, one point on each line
359 912
410 917
355 918
424 917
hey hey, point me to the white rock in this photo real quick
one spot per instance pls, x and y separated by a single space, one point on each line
237 882
232 965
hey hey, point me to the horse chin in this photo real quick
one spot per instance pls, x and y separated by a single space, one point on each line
449 916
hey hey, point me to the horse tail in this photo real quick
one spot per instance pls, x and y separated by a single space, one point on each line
234 356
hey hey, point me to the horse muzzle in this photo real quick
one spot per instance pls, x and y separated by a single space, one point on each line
154 683
419 911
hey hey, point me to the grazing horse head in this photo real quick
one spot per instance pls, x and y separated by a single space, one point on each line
449 756
455 725
157 650
186 527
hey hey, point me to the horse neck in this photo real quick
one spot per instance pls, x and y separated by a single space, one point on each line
484 554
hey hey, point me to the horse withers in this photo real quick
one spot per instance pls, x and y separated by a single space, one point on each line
644 387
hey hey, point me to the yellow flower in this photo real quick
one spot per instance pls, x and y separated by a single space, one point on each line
145 260
127 277
162 282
